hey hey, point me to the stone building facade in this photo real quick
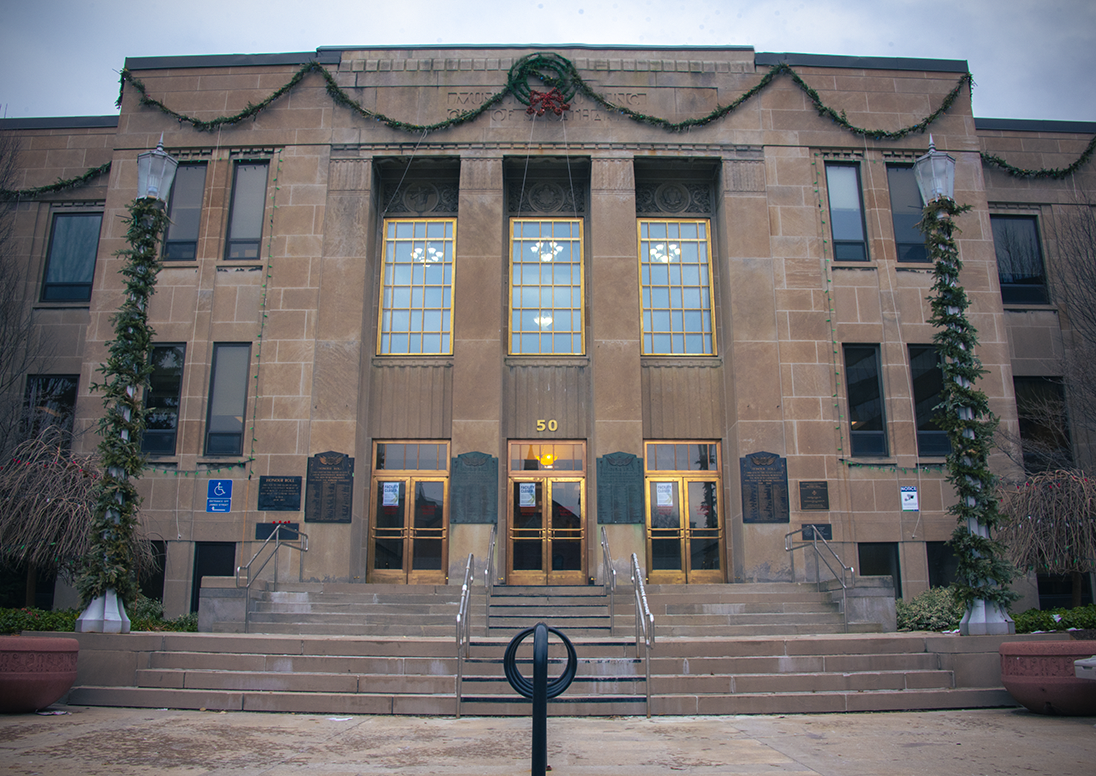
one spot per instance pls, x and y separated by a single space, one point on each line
398 325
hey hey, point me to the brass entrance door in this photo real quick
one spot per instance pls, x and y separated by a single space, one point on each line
546 519
409 531
684 519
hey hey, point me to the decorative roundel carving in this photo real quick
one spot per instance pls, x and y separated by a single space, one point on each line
546 197
672 198
420 197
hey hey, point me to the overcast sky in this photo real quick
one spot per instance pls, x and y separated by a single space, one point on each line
1031 59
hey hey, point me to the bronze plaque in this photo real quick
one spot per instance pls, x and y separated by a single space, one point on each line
474 489
620 489
764 488
279 494
329 491
814 495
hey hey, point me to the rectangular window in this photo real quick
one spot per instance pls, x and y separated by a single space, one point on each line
245 217
863 376
185 213
70 266
227 398
162 399
928 384
417 290
846 212
546 314
49 402
906 206
880 559
1019 260
1044 428
675 275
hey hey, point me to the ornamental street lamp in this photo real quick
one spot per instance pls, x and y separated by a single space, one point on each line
982 576
107 577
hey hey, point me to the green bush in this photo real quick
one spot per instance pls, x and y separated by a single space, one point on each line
937 609
146 614
16 620
1083 617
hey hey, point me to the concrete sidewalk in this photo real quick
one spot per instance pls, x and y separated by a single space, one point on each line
91 741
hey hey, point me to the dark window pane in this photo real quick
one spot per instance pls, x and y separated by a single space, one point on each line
50 402
928 383
227 399
880 559
906 208
185 213
1044 428
71 263
1019 260
162 399
846 212
865 391
245 221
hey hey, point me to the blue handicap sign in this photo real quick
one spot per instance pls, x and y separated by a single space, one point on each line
219 496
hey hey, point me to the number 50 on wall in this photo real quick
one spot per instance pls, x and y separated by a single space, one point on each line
547 425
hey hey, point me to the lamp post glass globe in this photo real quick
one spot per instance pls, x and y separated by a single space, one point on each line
935 174
155 173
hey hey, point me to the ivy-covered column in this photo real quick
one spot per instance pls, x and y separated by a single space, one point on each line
983 575
107 579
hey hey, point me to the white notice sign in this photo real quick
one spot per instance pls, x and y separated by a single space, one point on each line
664 494
391 494
909 498
527 494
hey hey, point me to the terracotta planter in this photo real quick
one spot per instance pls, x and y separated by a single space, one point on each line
1040 676
35 671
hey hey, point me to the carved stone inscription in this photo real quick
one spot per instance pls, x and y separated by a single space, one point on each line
279 494
474 489
764 488
619 489
330 488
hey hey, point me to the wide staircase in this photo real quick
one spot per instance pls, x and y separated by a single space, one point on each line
379 649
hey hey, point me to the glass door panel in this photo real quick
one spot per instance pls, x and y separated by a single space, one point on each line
409 547
565 540
389 520
705 532
664 534
547 551
527 533
428 534
684 551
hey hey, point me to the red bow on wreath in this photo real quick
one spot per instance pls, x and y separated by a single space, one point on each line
551 100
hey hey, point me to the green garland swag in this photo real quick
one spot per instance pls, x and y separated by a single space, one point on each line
557 72
109 563
982 571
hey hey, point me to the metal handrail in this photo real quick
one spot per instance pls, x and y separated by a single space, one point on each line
609 574
464 629
790 546
645 625
245 570
489 576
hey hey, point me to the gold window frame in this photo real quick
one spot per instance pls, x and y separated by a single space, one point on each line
522 292
668 250
423 249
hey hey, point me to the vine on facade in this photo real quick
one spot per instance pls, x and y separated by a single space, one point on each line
982 571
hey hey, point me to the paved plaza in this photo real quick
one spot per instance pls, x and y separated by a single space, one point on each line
88 741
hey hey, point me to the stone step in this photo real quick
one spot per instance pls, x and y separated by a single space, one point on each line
445 705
